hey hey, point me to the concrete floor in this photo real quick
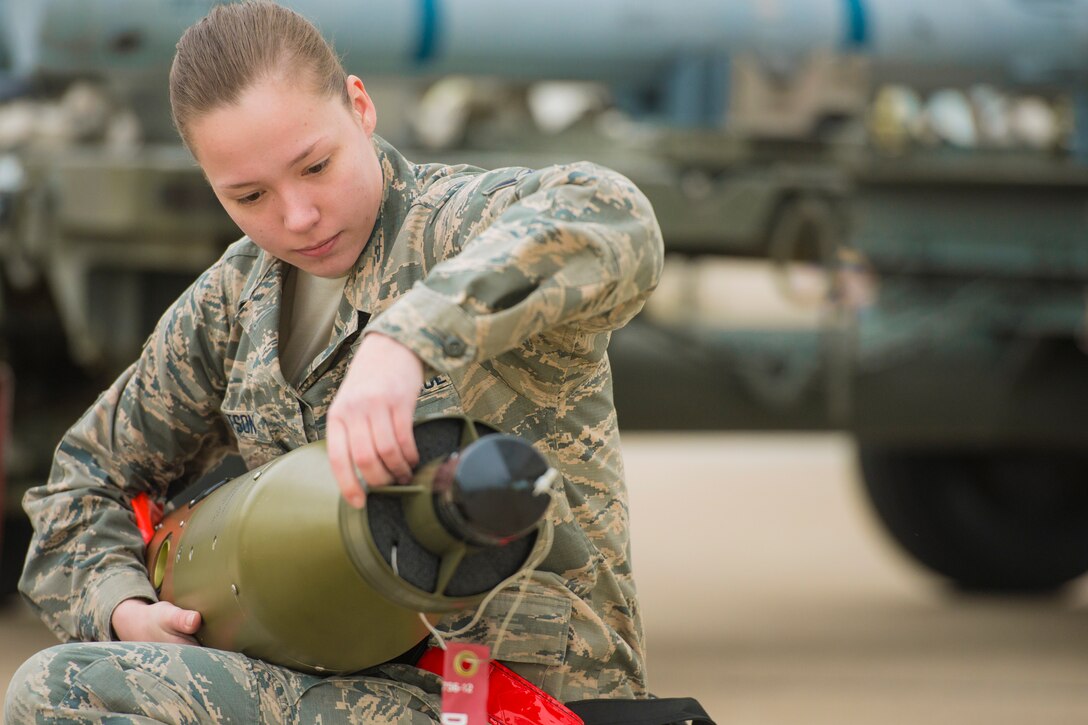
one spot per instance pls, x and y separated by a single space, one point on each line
770 595
776 599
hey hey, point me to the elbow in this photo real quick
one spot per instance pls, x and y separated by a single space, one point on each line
649 246
644 250
620 220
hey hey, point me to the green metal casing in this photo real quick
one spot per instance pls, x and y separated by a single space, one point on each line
263 560
281 568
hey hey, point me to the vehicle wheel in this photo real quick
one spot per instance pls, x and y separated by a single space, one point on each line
989 520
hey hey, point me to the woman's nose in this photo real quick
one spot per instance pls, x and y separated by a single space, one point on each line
300 213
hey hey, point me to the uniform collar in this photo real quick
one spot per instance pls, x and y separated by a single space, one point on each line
401 187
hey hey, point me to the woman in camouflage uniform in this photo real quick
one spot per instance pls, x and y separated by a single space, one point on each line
368 291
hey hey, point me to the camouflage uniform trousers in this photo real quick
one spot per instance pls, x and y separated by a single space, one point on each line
141 682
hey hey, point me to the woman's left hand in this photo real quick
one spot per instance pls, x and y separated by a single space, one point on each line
369 427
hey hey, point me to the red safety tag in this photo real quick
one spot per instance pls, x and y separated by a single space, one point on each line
465 670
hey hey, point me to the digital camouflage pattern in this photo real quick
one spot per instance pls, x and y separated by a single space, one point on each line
169 683
507 284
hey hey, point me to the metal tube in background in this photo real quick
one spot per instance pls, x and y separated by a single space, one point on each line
625 41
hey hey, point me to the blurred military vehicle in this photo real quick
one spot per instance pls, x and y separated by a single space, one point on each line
903 182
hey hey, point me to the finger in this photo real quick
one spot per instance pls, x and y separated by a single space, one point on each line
388 447
171 638
183 623
364 455
170 618
186 621
402 427
343 469
167 623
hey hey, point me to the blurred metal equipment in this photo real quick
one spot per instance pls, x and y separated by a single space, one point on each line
912 173
609 40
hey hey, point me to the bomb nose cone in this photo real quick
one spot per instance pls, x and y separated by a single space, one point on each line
496 493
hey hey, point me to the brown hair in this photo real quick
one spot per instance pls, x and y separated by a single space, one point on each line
238 44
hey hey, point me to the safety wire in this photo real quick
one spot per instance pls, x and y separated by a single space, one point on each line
526 574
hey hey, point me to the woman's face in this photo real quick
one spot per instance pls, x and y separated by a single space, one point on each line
296 170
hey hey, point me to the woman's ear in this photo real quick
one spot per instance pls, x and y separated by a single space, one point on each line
361 105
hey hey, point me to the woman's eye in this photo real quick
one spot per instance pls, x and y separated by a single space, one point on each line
250 198
318 167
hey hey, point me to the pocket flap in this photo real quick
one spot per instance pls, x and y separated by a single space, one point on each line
536 633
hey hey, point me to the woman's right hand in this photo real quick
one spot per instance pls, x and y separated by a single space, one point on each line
138 620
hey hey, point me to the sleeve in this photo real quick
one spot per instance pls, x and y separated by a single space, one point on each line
156 424
567 245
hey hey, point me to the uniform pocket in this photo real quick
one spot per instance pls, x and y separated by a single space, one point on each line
538 630
537 618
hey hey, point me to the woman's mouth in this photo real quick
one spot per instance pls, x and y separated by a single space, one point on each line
321 248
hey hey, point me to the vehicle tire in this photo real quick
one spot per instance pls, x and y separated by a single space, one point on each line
989 520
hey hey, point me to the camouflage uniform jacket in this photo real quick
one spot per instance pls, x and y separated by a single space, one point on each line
506 283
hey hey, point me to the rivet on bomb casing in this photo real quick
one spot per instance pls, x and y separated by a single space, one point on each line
234 589
182 524
258 474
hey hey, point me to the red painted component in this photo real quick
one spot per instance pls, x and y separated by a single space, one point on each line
148 515
511 699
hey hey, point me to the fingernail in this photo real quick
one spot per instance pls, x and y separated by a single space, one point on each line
190 621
